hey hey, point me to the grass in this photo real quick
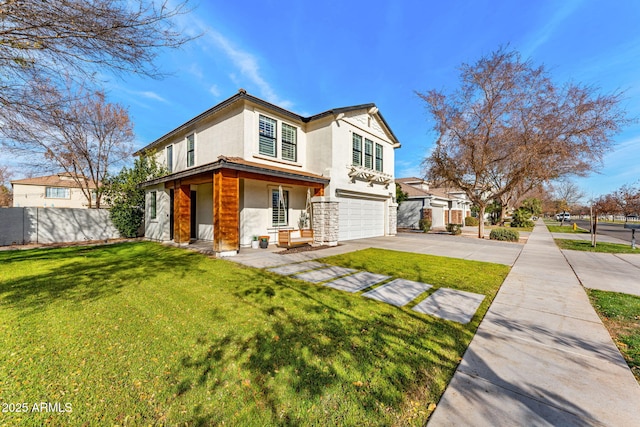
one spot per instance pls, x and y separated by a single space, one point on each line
620 314
518 229
143 334
508 226
568 228
585 245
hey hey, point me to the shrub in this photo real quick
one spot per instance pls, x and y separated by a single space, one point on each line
504 234
425 225
471 221
126 198
454 229
521 218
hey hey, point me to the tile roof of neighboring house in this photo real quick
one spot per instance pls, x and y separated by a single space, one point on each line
441 192
243 95
237 163
410 179
52 181
412 191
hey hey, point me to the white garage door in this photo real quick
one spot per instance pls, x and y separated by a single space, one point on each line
360 218
437 217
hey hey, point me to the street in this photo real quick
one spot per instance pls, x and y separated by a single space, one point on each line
608 229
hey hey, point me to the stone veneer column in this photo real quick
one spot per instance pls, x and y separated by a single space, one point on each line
325 221
393 219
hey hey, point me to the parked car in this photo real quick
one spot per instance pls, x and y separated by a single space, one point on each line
563 215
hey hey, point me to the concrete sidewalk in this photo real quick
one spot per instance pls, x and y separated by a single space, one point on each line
541 355
607 272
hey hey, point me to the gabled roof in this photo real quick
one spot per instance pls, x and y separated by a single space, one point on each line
243 95
52 181
410 179
412 191
417 193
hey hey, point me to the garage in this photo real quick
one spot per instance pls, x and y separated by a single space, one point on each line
437 216
361 218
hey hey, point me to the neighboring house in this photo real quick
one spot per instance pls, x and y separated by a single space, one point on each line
59 191
440 205
246 168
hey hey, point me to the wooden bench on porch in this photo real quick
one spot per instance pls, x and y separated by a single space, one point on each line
291 238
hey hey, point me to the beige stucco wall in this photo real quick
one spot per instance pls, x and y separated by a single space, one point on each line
34 196
158 228
222 135
251 150
256 213
204 211
323 146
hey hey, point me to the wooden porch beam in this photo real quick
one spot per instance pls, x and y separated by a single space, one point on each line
182 213
226 211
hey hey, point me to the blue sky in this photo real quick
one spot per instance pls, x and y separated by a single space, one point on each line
309 57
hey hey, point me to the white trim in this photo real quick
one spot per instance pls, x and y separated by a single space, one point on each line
359 195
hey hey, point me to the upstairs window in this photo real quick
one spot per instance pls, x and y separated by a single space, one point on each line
279 203
267 138
289 142
379 157
191 150
57 193
170 158
357 150
368 154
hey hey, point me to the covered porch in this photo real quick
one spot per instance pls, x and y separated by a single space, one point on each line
228 202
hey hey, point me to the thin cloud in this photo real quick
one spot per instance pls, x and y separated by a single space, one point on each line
248 68
150 95
215 91
196 70
546 32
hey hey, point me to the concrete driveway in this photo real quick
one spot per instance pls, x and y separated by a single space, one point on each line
433 244
469 248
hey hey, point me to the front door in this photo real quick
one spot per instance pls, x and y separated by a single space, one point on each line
194 231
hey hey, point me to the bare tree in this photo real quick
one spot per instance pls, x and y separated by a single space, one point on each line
510 127
47 45
84 137
606 205
627 198
513 198
40 41
566 195
6 197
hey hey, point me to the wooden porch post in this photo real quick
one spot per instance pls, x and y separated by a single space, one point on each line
182 213
226 211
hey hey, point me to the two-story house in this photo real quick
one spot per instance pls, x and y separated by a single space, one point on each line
53 191
247 167
441 206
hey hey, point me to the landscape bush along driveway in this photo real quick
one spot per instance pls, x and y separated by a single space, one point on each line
141 333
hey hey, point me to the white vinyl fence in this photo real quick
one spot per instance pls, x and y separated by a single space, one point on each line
54 225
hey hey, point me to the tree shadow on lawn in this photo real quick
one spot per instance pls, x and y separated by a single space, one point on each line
337 346
87 273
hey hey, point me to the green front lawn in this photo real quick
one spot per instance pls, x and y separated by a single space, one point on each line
143 334
567 228
585 245
620 314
